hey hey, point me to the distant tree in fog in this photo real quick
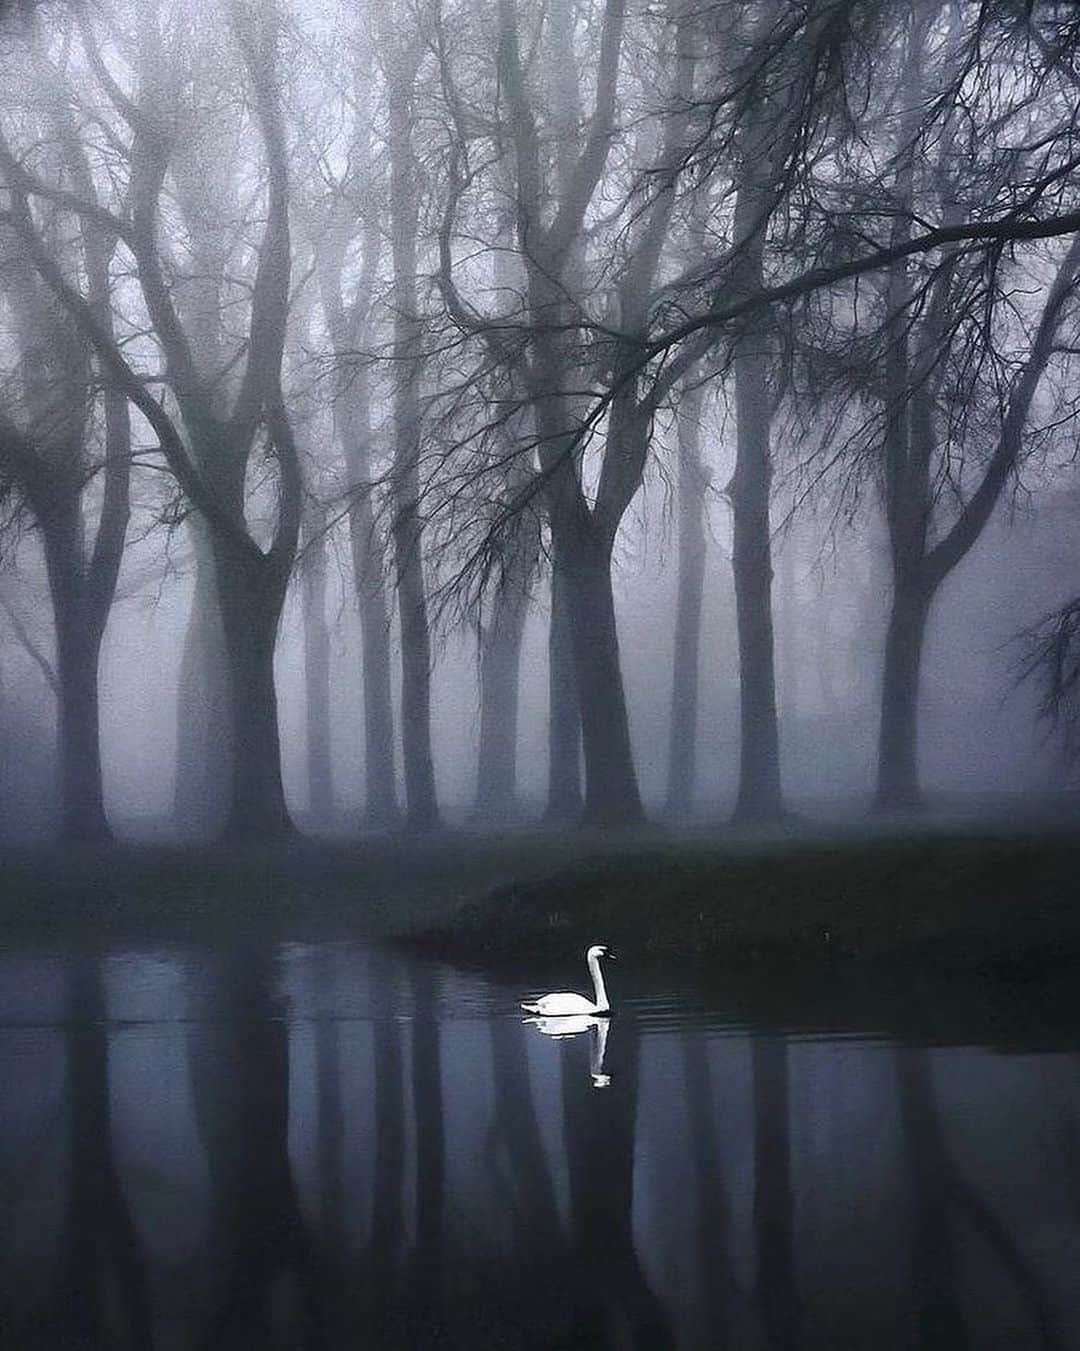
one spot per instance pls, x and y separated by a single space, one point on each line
402 44
942 364
348 214
208 438
65 438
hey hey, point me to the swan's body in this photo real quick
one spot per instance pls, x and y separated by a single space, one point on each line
566 1005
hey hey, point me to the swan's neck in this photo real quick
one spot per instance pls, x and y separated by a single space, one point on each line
600 992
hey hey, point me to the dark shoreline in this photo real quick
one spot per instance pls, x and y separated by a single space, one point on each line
970 933
690 896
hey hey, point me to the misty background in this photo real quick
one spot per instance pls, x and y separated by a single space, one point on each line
363 292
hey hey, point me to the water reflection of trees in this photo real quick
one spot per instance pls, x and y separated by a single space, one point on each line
263 1257
945 1205
465 1185
620 1308
104 1296
776 1292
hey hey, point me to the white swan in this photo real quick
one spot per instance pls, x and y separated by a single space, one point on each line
563 1005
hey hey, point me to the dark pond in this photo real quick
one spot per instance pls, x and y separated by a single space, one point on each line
343 1146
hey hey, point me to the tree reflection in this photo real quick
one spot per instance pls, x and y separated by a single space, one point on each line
619 1308
776 1291
941 1197
269 1284
708 1186
105 1288
426 1264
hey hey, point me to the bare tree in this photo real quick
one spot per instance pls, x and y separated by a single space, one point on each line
210 455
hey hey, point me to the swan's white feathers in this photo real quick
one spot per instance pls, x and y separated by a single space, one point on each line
564 1004
561 1006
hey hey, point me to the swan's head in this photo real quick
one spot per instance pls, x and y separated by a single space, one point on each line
597 951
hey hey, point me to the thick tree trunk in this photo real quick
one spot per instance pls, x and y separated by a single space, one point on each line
250 610
78 652
898 778
380 801
693 478
78 646
611 790
203 783
564 713
500 657
759 796
317 676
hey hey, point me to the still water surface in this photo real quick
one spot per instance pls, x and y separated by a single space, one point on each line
342 1145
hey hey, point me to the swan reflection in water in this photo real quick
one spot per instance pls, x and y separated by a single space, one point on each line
575 1026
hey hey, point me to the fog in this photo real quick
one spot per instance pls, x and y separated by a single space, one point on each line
401 424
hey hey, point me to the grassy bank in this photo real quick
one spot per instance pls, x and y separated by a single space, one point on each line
1005 907
1009 906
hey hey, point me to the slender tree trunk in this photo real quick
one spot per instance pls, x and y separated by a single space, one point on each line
380 799
317 675
422 811
759 796
693 478
564 714
500 658
898 776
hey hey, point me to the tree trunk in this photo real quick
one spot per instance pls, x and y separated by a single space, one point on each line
898 778
759 796
611 790
693 478
317 675
80 746
564 713
78 645
250 610
422 812
204 769
496 779
380 799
